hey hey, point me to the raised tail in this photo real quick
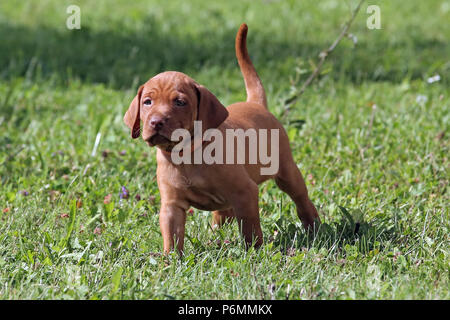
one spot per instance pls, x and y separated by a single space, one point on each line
253 85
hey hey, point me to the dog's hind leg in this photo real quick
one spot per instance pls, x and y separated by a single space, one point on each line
290 180
221 217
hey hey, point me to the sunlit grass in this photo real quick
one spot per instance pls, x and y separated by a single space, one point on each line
371 138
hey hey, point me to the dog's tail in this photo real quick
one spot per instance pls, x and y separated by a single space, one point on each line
253 85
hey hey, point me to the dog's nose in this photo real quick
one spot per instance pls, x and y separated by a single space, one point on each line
157 123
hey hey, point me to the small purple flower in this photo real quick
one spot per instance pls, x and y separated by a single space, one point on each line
105 153
124 193
25 193
434 79
60 152
421 99
122 153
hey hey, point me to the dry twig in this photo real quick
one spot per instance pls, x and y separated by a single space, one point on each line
323 55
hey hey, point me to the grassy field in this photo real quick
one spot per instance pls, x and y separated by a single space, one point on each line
370 136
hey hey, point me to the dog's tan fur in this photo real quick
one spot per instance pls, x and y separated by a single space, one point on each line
230 190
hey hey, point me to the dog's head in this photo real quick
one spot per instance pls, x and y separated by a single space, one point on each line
169 101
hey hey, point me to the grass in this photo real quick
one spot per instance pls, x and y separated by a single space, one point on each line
370 136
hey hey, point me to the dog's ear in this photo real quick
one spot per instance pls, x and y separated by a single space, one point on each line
210 111
132 117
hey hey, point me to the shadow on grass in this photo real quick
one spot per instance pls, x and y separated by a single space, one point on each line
350 230
122 58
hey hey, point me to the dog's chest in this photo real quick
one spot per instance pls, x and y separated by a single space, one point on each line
199 192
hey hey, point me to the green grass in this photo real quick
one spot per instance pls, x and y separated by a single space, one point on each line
384 169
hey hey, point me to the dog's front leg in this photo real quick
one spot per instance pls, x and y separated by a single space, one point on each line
172 220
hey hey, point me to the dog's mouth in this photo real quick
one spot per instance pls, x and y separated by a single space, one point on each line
158 140
161 141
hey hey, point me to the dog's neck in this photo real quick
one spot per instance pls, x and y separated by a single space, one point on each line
195 145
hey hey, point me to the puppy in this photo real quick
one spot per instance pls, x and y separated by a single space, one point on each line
171 101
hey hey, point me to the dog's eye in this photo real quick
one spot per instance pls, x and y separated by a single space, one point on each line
180 103
147 102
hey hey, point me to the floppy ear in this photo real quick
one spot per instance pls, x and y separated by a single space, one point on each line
210 111
132 117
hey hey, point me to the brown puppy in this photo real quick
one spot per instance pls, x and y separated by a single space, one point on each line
172 100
